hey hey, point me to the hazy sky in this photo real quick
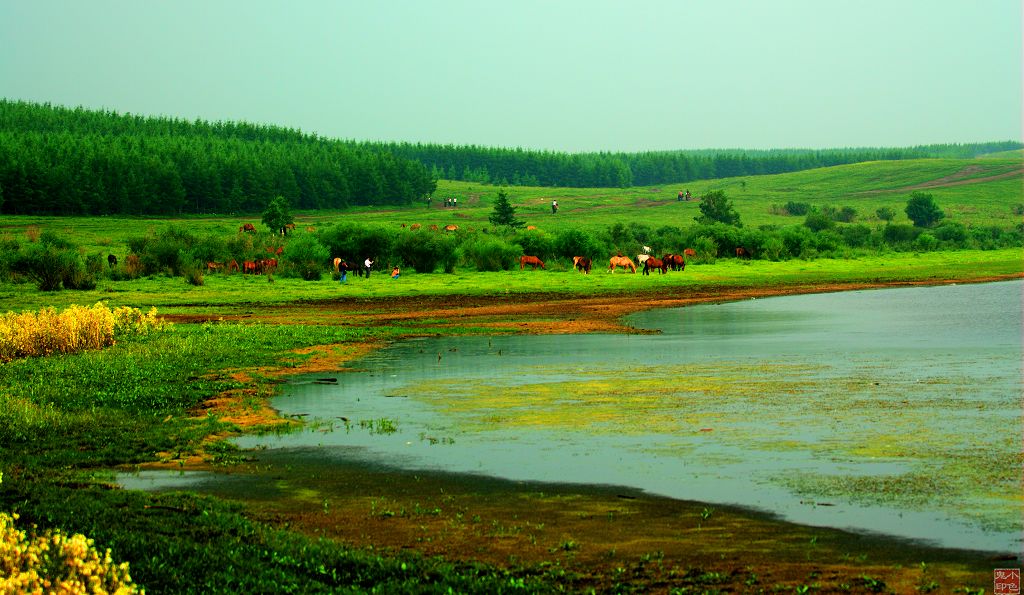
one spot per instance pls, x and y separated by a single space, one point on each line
550 74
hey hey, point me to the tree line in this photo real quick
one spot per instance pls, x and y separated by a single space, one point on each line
72 161
62 161
513 167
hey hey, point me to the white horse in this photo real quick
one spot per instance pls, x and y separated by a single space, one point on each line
642 258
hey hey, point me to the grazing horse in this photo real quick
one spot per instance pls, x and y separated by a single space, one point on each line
690 252
655 263
233 266
582 263
249 266
646 249
621 261
451 228
248 227
433 228
289 227
742 252
111 260
530 260
337 265
642 258
675 261
213 267
531 228
414 226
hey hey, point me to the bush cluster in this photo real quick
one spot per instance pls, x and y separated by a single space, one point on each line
29 334
53 562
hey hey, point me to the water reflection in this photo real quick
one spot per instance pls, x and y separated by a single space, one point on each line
892 407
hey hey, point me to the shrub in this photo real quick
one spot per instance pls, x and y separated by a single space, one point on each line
536 243
817 221
306 258
922 210
773 248
424 251
577 242
926 242
846 214
896 234
56 563
885 213
491 253
797 208
856 236
706 249
951 231
47 265
31 334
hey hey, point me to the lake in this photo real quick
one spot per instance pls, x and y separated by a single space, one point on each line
895 411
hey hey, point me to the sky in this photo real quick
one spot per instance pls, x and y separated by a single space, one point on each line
561 75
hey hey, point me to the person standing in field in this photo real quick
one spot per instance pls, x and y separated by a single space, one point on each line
343 269
368 265
554 207
455 201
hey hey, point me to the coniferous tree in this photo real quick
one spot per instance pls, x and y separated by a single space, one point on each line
504 213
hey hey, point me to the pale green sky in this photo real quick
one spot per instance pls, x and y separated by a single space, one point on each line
557 74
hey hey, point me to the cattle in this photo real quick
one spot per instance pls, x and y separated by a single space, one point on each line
248 228
655 263
112 260
742 252
533 261
690 252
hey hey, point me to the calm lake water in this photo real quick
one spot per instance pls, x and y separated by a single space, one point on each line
895 411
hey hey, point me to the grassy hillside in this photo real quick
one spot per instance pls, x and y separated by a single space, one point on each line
973 192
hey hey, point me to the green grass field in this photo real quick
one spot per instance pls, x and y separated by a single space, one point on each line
978 192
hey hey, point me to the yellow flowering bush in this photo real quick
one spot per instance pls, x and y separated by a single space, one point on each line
55 563
76 328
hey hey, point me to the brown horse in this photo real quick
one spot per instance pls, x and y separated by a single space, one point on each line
675 261
621 261
582 263
655 263
248 227
233 266
742 253
530 260
690 252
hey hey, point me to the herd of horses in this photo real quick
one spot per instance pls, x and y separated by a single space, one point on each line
676 262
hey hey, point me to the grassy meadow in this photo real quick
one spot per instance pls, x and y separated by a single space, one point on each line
65 420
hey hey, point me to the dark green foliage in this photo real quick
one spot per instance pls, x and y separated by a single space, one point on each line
716 208
425 251
50 266
577 242
504 213
355 242
797 208
489 253
61 161
305 257
855 236
620 170
846 214
885 213
897 234
951 231
536 243
818 221
922 210
277 215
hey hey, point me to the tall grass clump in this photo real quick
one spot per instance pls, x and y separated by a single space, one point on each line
77 328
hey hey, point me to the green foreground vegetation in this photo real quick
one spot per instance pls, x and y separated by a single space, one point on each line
65 420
